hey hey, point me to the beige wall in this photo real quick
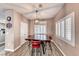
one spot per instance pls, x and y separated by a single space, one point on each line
13 39
50 25
31 27
18 18
66 48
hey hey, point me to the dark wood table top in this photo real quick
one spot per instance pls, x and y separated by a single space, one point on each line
30 39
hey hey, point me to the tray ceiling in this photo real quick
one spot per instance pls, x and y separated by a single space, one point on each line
45 11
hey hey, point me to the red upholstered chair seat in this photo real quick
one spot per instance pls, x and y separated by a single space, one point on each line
36 44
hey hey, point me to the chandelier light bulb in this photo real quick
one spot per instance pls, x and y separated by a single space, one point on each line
36 21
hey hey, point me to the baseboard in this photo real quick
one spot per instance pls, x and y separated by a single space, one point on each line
12 50
59 49
19 46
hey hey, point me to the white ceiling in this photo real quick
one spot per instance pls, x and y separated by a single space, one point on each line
48 10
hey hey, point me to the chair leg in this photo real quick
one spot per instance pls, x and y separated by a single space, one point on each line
33 51
50 46
40 51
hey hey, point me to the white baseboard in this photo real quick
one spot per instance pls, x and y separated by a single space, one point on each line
12 50
19 46
59 49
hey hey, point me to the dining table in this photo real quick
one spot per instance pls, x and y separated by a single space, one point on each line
43 43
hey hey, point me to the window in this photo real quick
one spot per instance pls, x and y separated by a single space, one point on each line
58 28
62 28
68 28
40 31
65 29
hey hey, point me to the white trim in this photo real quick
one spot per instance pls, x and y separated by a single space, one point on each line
72 42
12 50
59 48
19 46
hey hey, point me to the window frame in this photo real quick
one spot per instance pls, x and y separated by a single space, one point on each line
44 23
72 42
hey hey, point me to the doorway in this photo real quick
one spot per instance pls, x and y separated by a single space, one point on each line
24 32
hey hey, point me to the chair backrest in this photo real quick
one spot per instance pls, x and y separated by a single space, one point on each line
50 37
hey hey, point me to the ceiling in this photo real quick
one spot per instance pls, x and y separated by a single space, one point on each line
45 11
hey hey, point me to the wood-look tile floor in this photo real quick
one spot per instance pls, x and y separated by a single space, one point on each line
25 50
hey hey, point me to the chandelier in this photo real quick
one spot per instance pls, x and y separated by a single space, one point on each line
37 14
36 19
